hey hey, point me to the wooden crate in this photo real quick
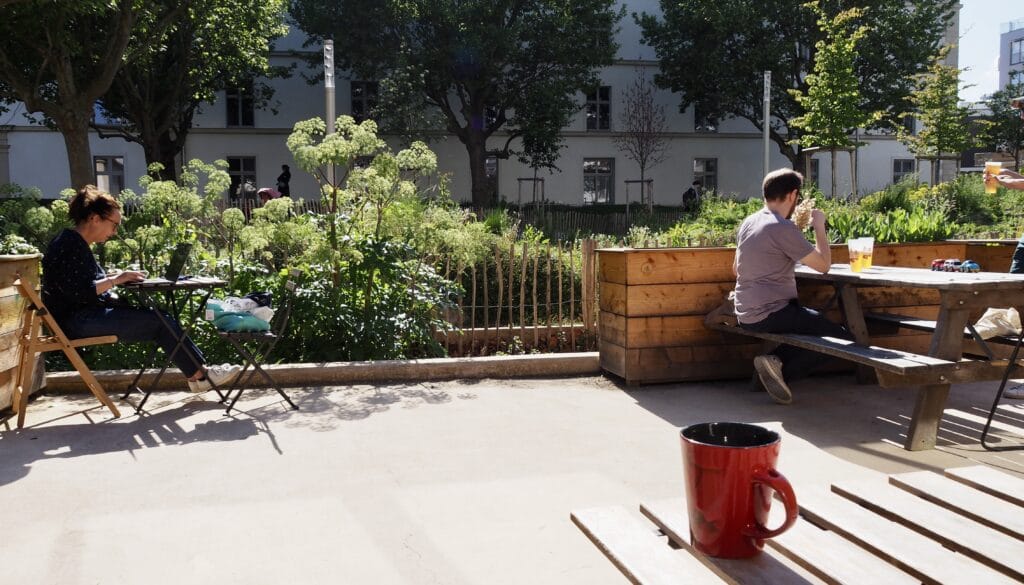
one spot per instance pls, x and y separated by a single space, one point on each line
652 303
12 307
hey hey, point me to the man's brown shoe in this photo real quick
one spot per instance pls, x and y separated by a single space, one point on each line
769 370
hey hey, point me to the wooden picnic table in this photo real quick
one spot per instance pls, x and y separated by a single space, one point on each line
966 526
961 295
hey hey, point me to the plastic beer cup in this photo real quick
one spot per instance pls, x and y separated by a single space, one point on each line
854 248
992 168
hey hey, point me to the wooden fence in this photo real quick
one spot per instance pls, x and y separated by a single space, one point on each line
556 222
528 298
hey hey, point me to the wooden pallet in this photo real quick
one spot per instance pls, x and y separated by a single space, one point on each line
917 527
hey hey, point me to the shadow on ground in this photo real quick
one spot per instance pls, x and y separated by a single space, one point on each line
862 423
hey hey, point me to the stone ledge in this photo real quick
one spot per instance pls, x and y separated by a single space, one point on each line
336 373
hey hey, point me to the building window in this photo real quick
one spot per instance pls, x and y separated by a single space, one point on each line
705 170
1016 51
241 111
1017 77
491 172
901 167
599 108
109 173
598 180
241 169
909 124
814 173
364 99
702 122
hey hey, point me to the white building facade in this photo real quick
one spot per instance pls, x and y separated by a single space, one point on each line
592 170
1011 53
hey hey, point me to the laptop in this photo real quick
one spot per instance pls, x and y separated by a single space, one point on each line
174 267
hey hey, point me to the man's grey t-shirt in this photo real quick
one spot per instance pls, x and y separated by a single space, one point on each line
768 247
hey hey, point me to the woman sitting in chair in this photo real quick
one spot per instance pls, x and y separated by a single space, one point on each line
76 291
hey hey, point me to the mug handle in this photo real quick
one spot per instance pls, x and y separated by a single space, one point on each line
778 482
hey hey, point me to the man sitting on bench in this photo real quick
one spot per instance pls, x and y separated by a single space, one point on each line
768 247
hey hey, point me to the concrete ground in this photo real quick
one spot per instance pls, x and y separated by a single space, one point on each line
461 482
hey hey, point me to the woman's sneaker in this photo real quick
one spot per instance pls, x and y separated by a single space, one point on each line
769 370
1016 392
198 386
222 375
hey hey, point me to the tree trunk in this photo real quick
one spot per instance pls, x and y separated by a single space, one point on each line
833 152
76 141
164 150
853 174
476 147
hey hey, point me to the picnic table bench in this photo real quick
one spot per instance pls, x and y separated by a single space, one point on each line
960 294
966 526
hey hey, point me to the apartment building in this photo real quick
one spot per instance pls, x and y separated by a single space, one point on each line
727 155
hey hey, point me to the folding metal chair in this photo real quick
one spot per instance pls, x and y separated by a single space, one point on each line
1010 366
255 348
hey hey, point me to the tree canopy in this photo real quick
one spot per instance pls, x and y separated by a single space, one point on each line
481 64
832 102
945 129
714 54
58 58
1004 129
215 45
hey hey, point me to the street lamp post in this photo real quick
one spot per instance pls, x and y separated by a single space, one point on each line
329 97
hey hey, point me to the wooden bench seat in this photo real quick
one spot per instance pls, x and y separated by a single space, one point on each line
919 324
880 358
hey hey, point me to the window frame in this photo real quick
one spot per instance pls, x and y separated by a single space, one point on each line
1018 46
238 175
708 179
104 179
367 100
240 107
605 177
595 102
898 175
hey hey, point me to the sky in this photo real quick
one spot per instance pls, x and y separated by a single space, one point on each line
980 22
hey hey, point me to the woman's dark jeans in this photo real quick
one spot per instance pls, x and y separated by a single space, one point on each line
798 362
131 324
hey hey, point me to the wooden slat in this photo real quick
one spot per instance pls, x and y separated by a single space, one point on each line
824 555
990 481
664 299
919 324
832 557
913 552
964 500
637 551
982 543
881 358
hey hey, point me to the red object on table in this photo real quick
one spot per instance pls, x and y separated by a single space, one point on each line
730 477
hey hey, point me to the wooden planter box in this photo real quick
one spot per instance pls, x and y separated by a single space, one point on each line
652 303
12 309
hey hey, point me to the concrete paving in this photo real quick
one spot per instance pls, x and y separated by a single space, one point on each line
461 482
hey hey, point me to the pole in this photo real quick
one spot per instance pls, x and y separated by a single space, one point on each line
329 97
766 115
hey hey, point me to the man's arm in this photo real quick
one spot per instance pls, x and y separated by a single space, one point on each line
1010 179
821 258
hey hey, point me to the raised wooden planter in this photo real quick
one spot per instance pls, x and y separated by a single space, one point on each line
12 309
652 304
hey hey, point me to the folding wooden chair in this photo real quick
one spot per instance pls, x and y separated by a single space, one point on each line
34 342
256 346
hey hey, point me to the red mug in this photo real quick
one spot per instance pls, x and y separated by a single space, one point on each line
730 477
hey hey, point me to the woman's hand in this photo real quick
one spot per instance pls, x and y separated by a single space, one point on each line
129 276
